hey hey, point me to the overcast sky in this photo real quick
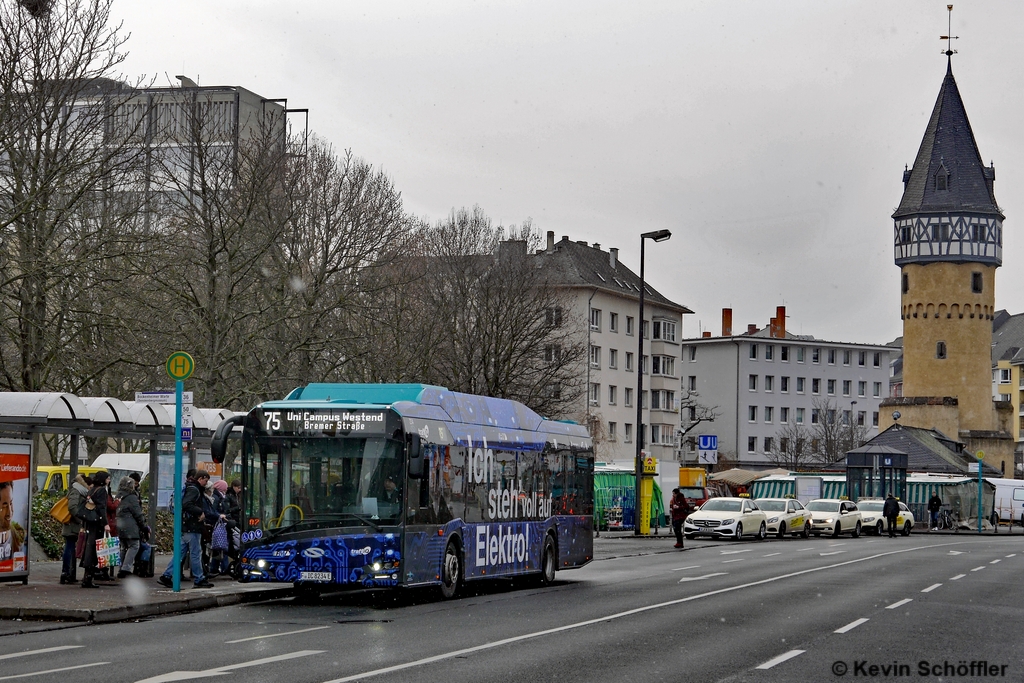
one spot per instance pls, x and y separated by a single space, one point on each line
769 137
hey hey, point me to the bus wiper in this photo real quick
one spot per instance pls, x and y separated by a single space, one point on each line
319 519
362 518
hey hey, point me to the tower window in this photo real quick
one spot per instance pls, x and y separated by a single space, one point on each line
940 349
941 181
976 283
906 283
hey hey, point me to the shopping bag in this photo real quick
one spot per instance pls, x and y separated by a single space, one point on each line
60 511
108 552
219 541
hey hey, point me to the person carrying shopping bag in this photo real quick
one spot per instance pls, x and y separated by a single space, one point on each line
93 513
130 523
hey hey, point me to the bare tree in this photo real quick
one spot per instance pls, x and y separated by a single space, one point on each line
791 448
59 164
833 432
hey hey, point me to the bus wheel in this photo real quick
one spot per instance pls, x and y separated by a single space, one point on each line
548 562
451 572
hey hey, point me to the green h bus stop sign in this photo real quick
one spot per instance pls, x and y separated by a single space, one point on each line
180 366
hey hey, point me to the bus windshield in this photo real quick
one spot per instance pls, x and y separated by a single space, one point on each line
296 483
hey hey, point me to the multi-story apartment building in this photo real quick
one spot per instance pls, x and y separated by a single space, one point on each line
1008 377
764 383
605 293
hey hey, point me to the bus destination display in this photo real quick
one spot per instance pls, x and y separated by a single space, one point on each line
330 422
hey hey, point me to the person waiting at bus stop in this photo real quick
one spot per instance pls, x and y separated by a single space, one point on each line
192 526
891 510
680 509
934 505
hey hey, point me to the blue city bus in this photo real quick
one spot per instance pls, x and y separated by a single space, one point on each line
375 486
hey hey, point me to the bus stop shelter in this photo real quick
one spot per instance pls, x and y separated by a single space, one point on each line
24 415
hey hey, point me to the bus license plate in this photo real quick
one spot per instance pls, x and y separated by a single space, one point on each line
315 576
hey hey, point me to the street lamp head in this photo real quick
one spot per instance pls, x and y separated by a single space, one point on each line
657 235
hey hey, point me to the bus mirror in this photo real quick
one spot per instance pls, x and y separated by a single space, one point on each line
415 452
219 442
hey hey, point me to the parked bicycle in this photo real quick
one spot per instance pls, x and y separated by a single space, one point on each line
948 520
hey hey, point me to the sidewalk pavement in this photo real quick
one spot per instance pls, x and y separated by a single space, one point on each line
130 598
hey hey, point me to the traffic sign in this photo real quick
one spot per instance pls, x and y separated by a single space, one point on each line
707 449
180 366
186 433
162 397
650 465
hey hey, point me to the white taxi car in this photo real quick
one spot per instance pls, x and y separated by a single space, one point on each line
727 517
874 521
785 516
834 516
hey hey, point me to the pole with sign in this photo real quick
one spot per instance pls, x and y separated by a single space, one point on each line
179 367
981 458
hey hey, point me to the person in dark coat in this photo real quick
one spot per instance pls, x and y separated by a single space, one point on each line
193 521
934 505
93 513
76 494
130 523
679 509
233 513
891 510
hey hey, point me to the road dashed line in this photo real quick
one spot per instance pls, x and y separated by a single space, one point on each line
849 627
899 603
978 569
930 588
781 658
958 577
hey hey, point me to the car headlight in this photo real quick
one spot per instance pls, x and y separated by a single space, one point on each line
727 522
869 519
773 520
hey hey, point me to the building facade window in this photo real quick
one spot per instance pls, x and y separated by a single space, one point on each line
595 394
612 394
874 419
769 352
846 356
767 444
612 431
876 389
751 413
831 356
751 444
613 322
769 414
613 358
940 350
862 388
799 416
627 432
553 315
753 352
691 383
800 354
976 283
769 383
628 397
784 415
847 385
629 325
877 361
784 354
815 386
815 416
595 319
862 358
752 383
784 385
629 361
595 356
693 354
861 416
663 365
800 385
665 330
816 356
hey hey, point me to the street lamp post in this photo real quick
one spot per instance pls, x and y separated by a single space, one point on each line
657 236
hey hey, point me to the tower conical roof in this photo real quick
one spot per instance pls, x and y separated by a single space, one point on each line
948 148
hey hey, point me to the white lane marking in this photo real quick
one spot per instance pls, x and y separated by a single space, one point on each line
958 577
955 552
692 566
994 561
849 627
619 615
738 559
189 675
930 588
39 652
834 545
804 549
699 578
781 658
1013 555
275 635
978 569
771 554
835 552
899 604
734 552
53 671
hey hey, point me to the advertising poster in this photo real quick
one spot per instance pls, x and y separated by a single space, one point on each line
14 506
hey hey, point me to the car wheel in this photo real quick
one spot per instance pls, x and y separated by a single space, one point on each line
856 531
739 532
782 530
906 528
762 533
817 534
837 532
451 571
807 530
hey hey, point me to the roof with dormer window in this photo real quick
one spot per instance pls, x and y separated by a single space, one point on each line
949 147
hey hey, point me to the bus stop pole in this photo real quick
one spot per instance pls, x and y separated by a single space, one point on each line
981 458
176 562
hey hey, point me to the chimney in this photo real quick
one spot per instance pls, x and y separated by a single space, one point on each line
751 328
551 241
613 258
706 333
726 322
596 245
582 242
780 322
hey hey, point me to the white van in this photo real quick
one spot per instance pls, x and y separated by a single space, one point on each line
1009 504
121 465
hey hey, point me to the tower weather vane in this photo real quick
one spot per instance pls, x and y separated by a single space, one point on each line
948 37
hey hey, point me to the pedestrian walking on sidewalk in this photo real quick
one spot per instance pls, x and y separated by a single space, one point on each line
130 522
76 494
93 514
680 509
891 510
192 524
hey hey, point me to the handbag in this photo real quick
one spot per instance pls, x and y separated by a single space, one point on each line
87 511
60 511
108 551
80 544
219 540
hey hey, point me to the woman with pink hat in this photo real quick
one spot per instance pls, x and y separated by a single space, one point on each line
219 560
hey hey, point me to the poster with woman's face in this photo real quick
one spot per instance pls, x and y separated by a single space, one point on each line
14 470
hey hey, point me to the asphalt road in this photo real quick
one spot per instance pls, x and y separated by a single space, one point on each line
790 610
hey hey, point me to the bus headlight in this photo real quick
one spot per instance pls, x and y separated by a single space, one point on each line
376 566
261 564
